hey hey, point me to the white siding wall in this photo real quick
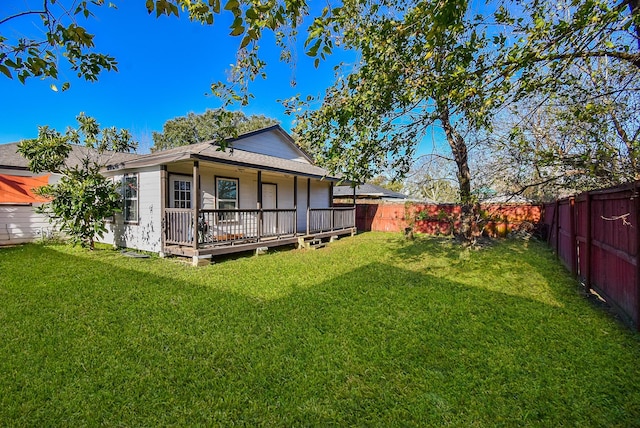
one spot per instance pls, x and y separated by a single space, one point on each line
146 234
272 144
302 204
320 194
20 223
319 199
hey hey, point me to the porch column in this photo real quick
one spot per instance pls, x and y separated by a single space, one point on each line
331 195
295 204
164 203
259 204
332 212
355 209
196 202
308 203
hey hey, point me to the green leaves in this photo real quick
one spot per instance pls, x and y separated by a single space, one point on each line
83 197
64 38
213 125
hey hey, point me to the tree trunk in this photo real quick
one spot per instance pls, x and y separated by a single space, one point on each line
460 155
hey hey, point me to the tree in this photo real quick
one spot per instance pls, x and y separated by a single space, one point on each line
384 181
422 63
62 38
419 68
83 198
574 125
567 143
212 125
432 177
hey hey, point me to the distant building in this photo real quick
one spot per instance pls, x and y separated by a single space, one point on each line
343 194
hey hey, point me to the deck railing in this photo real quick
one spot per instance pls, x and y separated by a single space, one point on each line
178 223
228 226
330 219
243 226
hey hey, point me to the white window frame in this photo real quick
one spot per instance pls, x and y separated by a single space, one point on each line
188 202
235 201
134 197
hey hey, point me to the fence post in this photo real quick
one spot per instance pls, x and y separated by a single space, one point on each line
572 236
636 196
587 249
557 214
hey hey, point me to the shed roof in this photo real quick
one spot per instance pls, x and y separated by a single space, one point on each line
19 190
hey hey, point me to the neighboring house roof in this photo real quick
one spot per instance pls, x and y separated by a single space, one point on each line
367 190
11 159
19 190
210 151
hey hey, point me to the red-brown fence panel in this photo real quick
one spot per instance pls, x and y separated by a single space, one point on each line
596 237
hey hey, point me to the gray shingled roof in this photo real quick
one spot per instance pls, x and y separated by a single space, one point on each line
210 152
367 190
10 158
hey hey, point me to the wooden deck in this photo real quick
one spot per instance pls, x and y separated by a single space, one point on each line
231 231
238 246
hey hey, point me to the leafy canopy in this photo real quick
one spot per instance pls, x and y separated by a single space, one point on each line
212 125
83 198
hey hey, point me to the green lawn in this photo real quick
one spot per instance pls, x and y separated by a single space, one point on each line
369 331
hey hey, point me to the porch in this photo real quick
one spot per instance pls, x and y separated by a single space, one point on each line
225 231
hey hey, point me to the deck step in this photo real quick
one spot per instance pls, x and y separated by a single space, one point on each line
310 242
314 244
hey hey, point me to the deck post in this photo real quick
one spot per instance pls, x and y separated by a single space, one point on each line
332 212
196 203
355 209
308 203
259 205
331 195
295 204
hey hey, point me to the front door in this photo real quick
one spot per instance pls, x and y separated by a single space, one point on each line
269 202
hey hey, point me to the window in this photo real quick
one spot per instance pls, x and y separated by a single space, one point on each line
181 194
130 197
227 197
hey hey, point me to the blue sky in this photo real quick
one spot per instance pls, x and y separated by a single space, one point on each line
166 67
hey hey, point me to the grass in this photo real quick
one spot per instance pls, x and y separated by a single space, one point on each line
370 331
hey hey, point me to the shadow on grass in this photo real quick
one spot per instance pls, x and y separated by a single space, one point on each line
84 342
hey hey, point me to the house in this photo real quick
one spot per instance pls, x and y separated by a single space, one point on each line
19 221
366 191
198 200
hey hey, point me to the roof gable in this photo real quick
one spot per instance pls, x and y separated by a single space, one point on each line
272 141
235 155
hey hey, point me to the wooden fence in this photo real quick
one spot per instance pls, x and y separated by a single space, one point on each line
442 219
595 235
